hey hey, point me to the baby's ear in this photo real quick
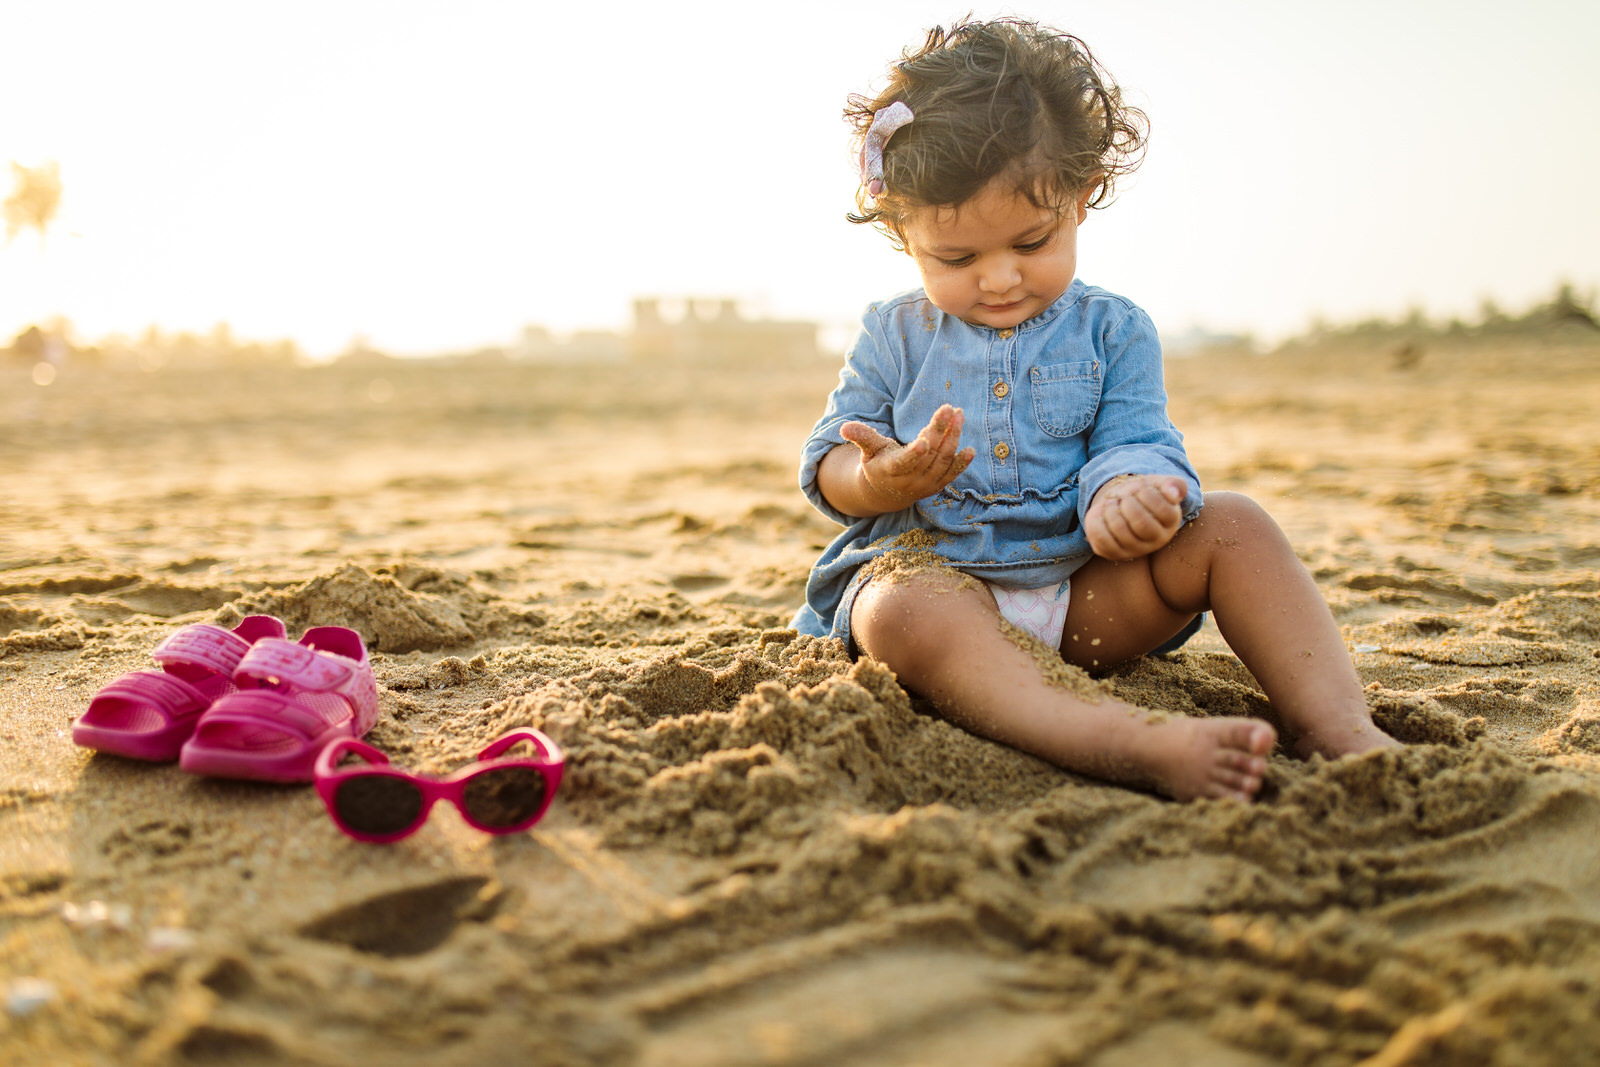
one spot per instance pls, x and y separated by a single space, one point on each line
1083 198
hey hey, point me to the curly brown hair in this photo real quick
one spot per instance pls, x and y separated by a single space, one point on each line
1006 99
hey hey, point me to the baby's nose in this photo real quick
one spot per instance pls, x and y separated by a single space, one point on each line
1000 277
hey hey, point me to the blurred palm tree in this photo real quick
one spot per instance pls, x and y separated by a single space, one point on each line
35 196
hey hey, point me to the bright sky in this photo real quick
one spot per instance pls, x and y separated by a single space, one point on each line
435 175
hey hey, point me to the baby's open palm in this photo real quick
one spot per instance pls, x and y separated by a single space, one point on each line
903 474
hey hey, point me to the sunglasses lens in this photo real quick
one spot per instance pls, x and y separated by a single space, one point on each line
503 796
377 804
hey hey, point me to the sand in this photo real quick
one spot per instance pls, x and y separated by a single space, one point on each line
764 853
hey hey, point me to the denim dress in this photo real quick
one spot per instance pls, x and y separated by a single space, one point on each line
1055 407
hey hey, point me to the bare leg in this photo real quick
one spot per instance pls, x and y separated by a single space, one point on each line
1235 562
941 636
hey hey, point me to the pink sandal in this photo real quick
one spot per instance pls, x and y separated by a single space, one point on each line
293 700
148 715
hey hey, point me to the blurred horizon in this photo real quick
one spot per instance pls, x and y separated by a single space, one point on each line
423 178
715 333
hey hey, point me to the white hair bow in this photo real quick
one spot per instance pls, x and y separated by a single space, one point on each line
885 122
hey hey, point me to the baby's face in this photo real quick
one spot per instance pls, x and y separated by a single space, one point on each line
996 260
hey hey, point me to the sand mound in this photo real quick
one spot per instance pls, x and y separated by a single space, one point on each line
393 613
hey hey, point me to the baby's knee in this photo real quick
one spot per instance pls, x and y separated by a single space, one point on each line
888 605
1226 506
907 610
1231 522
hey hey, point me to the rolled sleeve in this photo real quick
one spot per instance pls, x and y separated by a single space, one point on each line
865 394
1132 433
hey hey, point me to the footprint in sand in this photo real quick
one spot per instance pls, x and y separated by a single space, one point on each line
693 583
409 922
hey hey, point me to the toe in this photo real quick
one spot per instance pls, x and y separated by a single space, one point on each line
1237 783
1242 762
1248 736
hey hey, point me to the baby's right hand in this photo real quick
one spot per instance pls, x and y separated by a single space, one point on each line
899 475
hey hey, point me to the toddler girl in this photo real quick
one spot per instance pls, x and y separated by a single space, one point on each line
999 450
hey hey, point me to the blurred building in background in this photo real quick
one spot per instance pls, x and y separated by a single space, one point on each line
538 345
683 330
715 332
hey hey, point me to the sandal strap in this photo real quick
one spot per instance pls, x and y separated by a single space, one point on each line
304 668
203 645
263 707
168 693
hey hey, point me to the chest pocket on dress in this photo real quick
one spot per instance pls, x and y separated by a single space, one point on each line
1066 396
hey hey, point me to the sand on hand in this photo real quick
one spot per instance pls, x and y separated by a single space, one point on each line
763 852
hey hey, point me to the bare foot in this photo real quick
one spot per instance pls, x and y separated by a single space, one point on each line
1192 758
1349 739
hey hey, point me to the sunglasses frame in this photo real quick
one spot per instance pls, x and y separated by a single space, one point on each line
550 764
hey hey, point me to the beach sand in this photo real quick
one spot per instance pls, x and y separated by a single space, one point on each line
764 853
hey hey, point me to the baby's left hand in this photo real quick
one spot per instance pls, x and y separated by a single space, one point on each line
1134 515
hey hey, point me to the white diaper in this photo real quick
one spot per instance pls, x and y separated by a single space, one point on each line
1042 611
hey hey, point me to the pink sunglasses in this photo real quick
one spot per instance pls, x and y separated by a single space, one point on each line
497 794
